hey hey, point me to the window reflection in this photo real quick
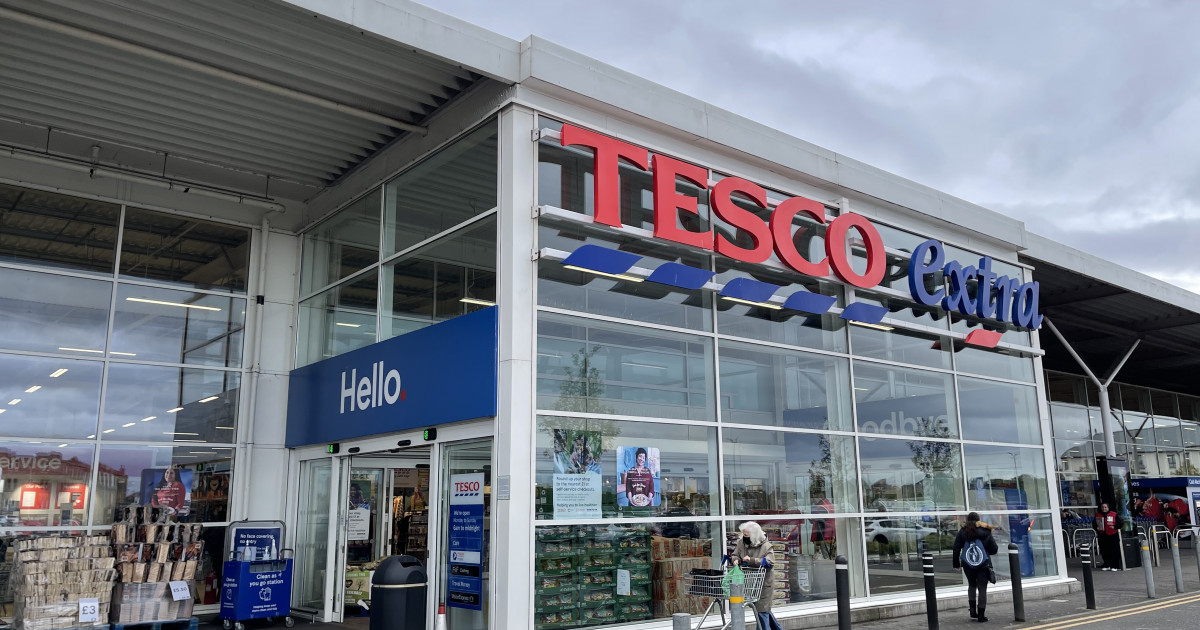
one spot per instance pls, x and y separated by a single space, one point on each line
901 346
181 250
910 475
761 385
824 331
772 472
49 397
899 401
42 312
338 320
163 404
805 550
341 245
1005 478
46 485
999 412
895 546
178 326
53 230
611 368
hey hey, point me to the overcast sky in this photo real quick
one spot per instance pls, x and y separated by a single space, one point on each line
1080 119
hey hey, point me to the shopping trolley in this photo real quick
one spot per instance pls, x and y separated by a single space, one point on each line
714 583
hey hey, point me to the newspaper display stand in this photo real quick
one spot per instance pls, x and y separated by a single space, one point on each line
257 578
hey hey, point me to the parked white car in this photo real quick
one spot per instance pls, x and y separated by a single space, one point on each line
895 530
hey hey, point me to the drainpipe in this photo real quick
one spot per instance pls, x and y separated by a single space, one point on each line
1106 416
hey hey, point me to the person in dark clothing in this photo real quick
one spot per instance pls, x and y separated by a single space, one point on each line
1108 530
977 567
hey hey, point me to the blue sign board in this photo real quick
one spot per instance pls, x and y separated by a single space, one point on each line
256 590
262 543
464 583
438 374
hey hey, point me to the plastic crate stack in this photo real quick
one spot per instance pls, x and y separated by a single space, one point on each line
50 574
576 575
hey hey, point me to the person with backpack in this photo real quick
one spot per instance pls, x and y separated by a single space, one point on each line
973 550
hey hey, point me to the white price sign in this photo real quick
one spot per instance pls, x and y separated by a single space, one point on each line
89 610
180 591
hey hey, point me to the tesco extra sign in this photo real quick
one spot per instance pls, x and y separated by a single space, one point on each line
1011 302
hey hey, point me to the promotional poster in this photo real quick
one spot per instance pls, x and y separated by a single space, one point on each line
577 473
169 488
638 469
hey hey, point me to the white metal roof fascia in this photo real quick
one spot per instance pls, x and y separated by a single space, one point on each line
426 31
546 63
1085 264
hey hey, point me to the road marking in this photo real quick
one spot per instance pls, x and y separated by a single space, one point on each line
1117 614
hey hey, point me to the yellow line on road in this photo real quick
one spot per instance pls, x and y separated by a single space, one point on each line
1117 614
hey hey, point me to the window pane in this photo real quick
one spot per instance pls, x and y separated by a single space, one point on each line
453 185
999 412
598 367
42 312
193 482
64 403
805 550
160 404
341 245
180 250
42 228
1005 478
910 475
899 401
1035 540
1066 388
178 326
565 180
761 385
452 276
772 472
997 363
1070 422
1075 455
46 484
610 468
1078 490
901 346
338 320
826 331
894 548
565 288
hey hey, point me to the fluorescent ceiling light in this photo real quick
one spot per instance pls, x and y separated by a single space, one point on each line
123 354
209 399
875 326
165 303
59 372
618 276
348 325
646 365
82 350
91 437
3 410
222 448
552 356
175 409
469 300
174 433
14 401
127 425
62 446
148 418
183 440
109 430
226 428
752 303
33 389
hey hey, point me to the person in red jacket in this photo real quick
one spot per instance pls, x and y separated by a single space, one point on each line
1109 535
170 492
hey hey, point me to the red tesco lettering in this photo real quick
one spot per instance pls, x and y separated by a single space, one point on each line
466 486
776 236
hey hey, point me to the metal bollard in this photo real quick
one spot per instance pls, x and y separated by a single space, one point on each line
737 610
1014 568
843 592
1175 561
1089 589
1196 547
681 621
930 591
1148 569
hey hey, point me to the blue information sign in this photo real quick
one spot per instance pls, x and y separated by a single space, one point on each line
464 584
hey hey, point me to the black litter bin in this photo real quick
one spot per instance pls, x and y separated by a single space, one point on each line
398 594
1131 546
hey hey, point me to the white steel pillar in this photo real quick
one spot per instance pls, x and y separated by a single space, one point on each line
512 534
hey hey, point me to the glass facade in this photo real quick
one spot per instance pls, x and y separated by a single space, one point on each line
667 416
121 362
418 250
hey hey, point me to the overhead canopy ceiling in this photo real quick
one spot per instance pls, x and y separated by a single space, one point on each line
258 96
1102 320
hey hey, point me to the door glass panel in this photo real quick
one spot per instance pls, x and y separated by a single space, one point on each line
466 463
312 537
362 536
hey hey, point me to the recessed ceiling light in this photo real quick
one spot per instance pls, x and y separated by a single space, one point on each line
91 437
127 425
174 433
209 399
82 350
175 409
109 430
14 401
618 276
123 354
148 418
753 303
33 389
348 325
875 326
62 446
59 372
165 303
468 300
